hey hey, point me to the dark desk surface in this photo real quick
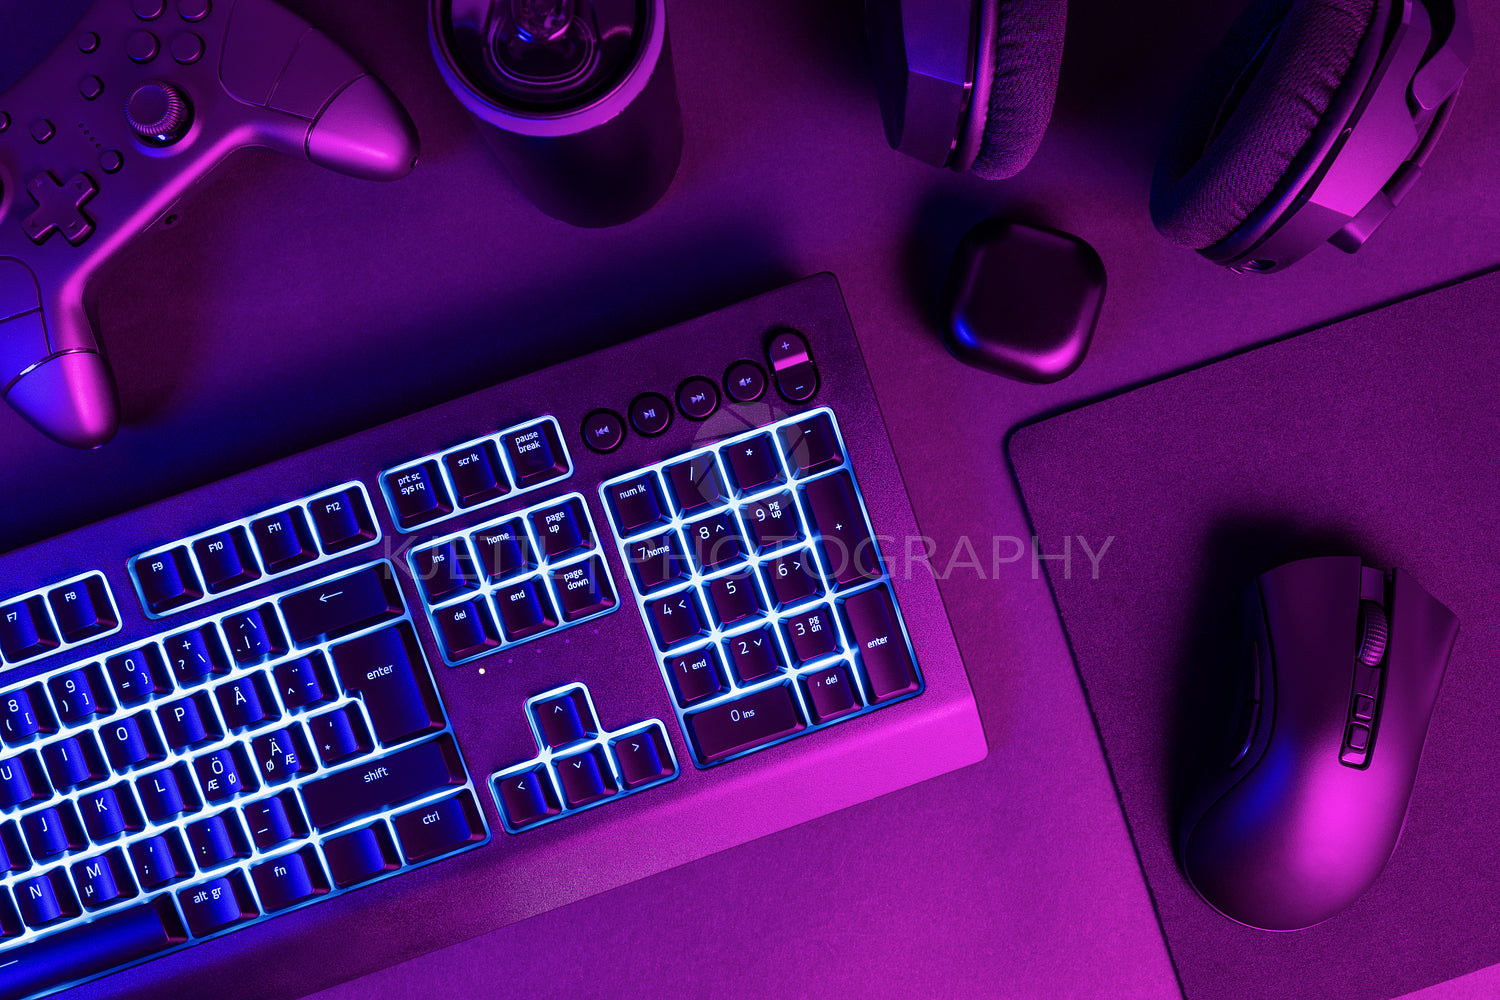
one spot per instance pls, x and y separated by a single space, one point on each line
290 306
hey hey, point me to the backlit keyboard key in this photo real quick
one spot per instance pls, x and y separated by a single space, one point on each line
281 755
695 675
25 630
108 812
342 520
19 719
792 577
830 694
536 454
876 633
339 734
131 741
283 540
216 840
74 761
525 610
75 953
674 619
103 880
194 654
360 856
45 899
503 551
52 831
656 562
773 521
733 597
166 793
443 570
274 821
695 483
137 675
387 671
417 494
585 777
346 604
848 550
224 773
439 827
82 609
466 629
812 444
245 701
159 860
303 681
215 905
476 473
167 580
753 463
527 797
391 780
288 880
636 504
253 635
582 589
561 528
642 757
811 634
22 780
744 724
753 655
188 721
74 694
565 719
226 559
714 541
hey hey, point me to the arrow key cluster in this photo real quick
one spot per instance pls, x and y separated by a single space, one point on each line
579 764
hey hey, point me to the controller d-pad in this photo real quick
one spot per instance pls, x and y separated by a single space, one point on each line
59 207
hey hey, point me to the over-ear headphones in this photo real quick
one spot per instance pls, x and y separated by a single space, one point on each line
1309 124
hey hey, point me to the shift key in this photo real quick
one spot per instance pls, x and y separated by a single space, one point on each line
341 605
382 782
386 670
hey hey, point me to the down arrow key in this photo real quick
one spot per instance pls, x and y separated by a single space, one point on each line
337 607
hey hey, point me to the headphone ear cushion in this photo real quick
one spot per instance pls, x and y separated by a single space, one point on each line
1253 110
1023 85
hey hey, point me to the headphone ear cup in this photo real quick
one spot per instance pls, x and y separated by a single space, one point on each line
1258 102
1022 83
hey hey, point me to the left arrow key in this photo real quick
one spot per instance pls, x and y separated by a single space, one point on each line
342 605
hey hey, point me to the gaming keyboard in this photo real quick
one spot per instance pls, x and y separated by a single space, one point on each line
471 665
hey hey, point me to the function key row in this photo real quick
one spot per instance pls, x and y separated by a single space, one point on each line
56 618
579 764
528 574
476 473
236 555
698 397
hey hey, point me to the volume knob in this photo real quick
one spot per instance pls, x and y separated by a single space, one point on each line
158 112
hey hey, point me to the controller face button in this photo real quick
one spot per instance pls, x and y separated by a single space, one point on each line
88 42
148 10
187 48
193 10
90 87
42 130
142 47
110 161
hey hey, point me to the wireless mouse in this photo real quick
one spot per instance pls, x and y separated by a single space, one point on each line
1339 667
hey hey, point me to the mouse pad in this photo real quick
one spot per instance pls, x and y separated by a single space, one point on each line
1377 436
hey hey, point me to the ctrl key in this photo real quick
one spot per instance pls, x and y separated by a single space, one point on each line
439 827
100 945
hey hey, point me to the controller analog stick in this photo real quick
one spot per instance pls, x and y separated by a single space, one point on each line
158 112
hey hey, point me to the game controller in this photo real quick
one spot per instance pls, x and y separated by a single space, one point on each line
106 136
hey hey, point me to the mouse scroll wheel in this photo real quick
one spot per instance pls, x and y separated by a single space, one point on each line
1372 633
